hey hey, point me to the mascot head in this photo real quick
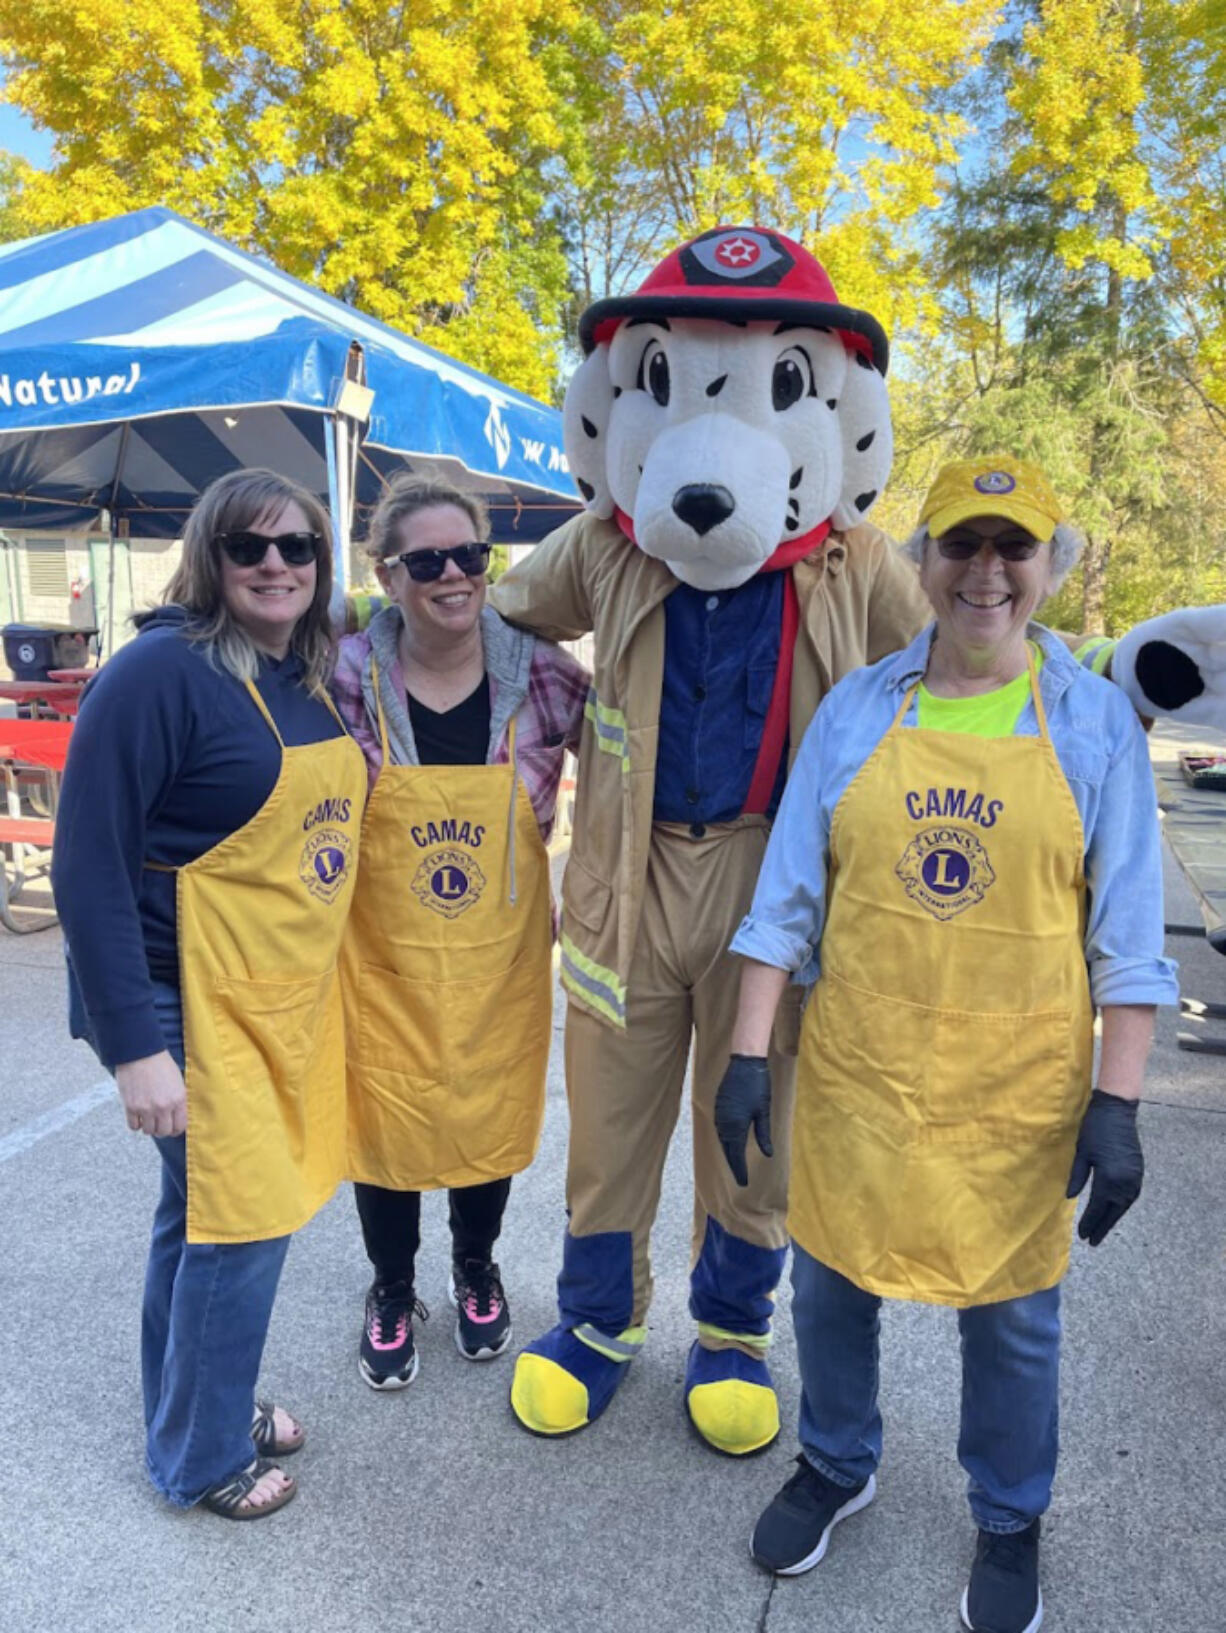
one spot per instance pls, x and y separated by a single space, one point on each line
729 407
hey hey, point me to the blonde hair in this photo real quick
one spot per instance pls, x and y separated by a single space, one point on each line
244 499
403 497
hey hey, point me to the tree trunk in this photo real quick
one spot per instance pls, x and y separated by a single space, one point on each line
1094 562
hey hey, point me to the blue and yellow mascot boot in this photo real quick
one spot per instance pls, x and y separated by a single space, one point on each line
729 1393
564 1380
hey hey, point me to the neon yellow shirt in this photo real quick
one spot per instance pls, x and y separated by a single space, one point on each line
990 714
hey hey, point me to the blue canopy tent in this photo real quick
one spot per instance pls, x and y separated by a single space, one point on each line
141 358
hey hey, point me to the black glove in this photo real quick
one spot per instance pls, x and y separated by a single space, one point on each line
1107 1143
744 1097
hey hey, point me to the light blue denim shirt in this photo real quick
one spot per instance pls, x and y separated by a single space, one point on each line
1101 749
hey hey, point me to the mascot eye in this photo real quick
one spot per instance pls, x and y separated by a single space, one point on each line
653 373
792 379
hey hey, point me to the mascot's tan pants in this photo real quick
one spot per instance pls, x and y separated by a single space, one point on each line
624 1088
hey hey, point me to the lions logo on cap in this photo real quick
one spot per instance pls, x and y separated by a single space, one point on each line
448 881
945 870
995 482
324 864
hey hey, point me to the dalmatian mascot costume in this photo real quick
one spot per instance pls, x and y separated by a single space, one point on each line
729 431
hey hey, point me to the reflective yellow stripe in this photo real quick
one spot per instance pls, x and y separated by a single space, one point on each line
1095 654
750 1340
364 606
592 982
624 1347
610 728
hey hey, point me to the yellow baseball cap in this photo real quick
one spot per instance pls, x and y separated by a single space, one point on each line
996 485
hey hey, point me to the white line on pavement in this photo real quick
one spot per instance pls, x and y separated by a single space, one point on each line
21 1139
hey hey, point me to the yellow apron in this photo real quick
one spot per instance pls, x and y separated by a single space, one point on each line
945 1058
260 919
447 976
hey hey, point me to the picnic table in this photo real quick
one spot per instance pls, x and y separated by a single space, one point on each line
44 697
32 754
1194 825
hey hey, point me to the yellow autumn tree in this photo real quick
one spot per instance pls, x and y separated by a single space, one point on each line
393 155
832 122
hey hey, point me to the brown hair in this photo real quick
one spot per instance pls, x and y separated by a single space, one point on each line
243 499
403 497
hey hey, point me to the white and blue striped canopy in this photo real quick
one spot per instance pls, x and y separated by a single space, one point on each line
141 358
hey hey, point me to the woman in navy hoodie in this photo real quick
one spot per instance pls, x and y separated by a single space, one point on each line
204 859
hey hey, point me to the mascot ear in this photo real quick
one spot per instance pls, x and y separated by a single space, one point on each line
868 441
585 430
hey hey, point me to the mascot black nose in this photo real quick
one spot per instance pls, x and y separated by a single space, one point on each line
703 505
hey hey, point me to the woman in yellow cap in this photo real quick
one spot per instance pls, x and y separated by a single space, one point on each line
204 861
966 862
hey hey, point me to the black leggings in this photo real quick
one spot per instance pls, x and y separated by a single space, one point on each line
391 1225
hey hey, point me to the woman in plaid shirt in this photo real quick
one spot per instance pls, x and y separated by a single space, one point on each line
438 692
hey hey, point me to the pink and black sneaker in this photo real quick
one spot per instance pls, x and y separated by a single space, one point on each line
388 1358
483 1318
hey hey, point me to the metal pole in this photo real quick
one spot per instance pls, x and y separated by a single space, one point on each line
336 502
107 645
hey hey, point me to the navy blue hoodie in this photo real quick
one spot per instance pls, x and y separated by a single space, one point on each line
169 755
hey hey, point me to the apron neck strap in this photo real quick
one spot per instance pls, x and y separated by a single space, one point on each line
1031 669
264 710
374 680
1036 692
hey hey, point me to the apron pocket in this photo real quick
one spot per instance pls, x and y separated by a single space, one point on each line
448 1087
996 1078
945 1076
271 1034
400 1026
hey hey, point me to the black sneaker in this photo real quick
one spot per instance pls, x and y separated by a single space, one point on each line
792 1534
483 1317
1003 1594
388 1358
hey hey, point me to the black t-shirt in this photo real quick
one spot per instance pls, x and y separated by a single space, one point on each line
461 736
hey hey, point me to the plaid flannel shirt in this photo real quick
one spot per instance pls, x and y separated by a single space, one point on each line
549 718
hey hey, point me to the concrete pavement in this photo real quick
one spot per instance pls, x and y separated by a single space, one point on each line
432 1510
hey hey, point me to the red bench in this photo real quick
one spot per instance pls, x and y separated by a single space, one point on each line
32 755
18 835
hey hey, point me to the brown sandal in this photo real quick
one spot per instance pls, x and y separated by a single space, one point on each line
264 1433
227 1497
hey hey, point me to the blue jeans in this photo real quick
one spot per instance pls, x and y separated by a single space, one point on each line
1009 1441
203 1324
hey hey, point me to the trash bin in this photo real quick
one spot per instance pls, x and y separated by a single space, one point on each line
32 650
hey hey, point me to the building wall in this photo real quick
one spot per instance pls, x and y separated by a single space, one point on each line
53 577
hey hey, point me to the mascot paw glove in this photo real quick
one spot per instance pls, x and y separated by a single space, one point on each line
744 1098
1176 665
731 1400
1108 1145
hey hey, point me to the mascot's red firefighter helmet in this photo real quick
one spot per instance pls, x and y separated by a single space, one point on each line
740 274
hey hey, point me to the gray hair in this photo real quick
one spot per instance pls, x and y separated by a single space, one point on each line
1066 547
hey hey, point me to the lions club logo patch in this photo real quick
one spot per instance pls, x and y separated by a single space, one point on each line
324 864
448 881
994 482
945 870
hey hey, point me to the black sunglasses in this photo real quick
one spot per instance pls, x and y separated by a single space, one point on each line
246 549
965 546
424 566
